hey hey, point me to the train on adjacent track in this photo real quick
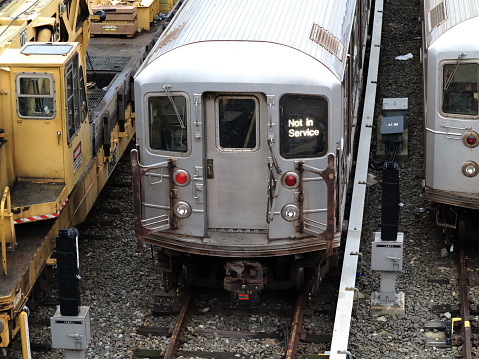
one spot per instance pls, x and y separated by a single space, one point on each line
450 58
246 113
67 117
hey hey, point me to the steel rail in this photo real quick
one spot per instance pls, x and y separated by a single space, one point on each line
180 326
464 306
296 325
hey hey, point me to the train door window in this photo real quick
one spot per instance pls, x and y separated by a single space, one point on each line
303 126
75 97
237 125
460 90
35 95
168 123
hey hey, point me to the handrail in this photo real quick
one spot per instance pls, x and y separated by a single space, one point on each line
138 171
5 211
2 232
329 177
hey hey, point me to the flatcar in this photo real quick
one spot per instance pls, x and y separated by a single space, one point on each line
451 76
245 116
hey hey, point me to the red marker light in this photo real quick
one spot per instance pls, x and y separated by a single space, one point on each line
181 178
290 180
471 140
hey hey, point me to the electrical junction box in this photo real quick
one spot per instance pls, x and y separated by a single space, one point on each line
396 106
387 256
392 129
71 332
392 125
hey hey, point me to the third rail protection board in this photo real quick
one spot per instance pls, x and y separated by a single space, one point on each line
342 323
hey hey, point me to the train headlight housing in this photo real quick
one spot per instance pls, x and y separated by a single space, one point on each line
471 139
181 178
290 180
290 212
182 210
470 169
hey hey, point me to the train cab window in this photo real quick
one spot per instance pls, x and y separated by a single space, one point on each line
303 126
167 123
460 90
35 96
236 122
76 105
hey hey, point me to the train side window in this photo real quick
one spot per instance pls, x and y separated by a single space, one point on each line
35 95
168 123
82 95
237 122
303 126
76 106
460 89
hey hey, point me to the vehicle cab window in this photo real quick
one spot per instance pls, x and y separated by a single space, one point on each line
237 126
35 96
460 90
168 123
76 104
303 126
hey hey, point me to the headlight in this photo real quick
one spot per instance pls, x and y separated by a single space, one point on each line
290 212
182 209
470 169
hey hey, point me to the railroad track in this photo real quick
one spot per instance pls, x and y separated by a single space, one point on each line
293 335
295 327
461 327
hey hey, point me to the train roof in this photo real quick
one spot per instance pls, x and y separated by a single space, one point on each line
318 28
442 15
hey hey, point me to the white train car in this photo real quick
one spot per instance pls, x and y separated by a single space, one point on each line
245 118
451 76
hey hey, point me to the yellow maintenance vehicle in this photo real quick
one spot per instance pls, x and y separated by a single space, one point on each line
61 133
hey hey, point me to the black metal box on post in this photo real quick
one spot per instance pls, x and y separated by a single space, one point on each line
390 201
68 269
387 247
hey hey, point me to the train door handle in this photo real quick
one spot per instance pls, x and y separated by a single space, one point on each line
210 174
59 136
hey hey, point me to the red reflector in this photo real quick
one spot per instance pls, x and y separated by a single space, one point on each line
181 178
243 296
290 180
471 140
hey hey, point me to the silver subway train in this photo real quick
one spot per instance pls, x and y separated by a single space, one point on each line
245 115
451 76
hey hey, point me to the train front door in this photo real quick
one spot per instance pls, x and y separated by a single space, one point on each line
236 161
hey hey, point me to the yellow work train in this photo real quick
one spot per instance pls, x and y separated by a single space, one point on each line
59 139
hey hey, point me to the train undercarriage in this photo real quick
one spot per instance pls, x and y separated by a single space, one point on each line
460 224
244 278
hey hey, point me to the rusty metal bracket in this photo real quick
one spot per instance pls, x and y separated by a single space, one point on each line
7 229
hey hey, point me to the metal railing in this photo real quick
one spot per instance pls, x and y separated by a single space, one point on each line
7 229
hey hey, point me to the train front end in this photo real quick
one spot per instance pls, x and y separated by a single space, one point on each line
243 150
452 128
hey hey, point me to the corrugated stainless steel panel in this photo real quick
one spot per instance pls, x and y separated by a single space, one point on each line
284 22
456 11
